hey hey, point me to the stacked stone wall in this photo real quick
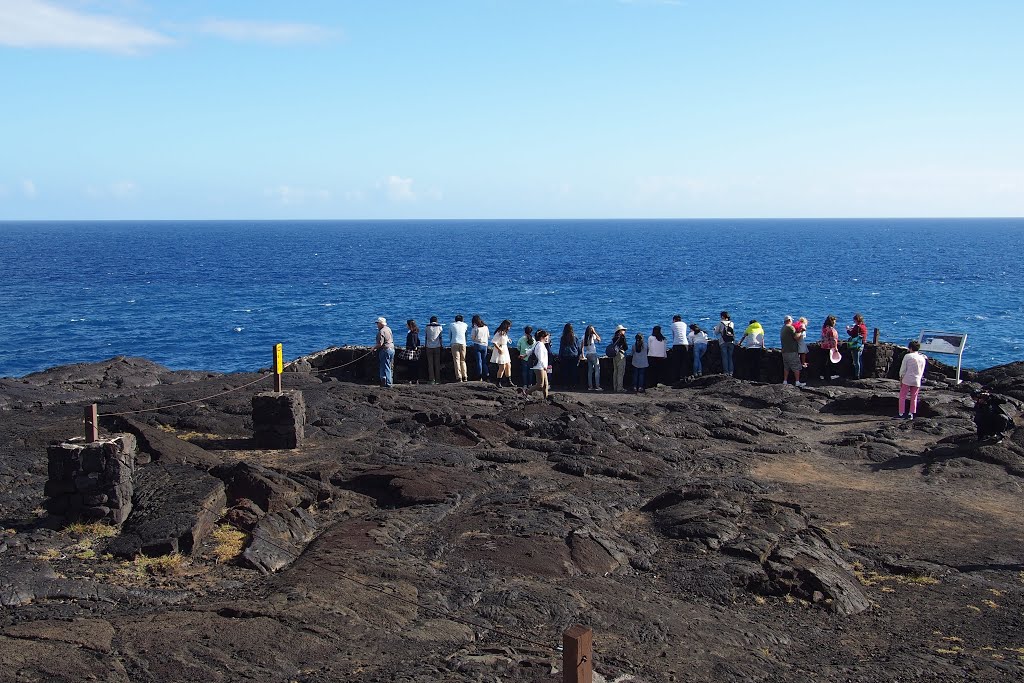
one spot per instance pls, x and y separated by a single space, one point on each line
91 481
278 419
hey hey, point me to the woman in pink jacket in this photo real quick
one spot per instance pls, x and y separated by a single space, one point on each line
829 343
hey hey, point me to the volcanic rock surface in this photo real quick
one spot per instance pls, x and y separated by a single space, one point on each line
719 530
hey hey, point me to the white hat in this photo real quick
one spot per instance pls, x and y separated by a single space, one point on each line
382 321
620 328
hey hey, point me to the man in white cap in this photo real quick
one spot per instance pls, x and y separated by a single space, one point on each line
385 349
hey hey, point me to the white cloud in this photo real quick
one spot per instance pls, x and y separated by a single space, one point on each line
289 195
36 23
4 191
121 189
274 33
669 188
124 188
28 188
399 189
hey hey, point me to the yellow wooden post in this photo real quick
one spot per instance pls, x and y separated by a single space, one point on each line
278 366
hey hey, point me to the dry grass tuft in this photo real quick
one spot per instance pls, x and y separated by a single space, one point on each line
165 565
229 543
91 531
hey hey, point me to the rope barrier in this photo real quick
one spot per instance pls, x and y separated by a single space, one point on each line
185 402
339 367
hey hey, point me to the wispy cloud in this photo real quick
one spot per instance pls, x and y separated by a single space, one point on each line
273 33
121 189
41 24
399 189
28 188
290 195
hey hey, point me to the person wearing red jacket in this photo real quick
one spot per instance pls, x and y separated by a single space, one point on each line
858 337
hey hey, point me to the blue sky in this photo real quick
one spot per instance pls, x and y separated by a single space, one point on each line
119 109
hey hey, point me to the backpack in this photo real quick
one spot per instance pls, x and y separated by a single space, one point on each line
611 350
855 342
728 333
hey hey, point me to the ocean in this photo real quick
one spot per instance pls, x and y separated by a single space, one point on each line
216 295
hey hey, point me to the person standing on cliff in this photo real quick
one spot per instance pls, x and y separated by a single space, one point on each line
752 346
480 335
525 346
640 363
619 348
680 361
829 345
858 337
538 358
432 343
457 343
911 374
790 352
726 333
385 348
500 355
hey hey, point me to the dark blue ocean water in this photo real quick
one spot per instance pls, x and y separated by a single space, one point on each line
218 295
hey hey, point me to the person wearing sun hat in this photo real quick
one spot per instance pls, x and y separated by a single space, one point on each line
385 348
617 350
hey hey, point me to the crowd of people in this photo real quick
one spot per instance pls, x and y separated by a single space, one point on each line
654 358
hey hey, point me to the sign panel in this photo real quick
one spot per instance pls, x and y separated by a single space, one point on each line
278 359
951 343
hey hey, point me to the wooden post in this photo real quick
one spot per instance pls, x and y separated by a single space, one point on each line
92 423
874 337
278 367
577 655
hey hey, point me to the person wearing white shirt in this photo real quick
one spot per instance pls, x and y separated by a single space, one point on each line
500 355
911 373
698 339
657 355
680 354
479 336
457 343
726 333
539 355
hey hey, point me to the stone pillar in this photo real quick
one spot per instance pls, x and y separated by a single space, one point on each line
91 481
278 419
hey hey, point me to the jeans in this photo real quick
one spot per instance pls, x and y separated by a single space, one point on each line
527 372
386 361
639 379
698 353
593 371
480 358
459 360
855 355
727 349
434 364
618 371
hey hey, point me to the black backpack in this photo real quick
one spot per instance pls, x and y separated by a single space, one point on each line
728 333
611 349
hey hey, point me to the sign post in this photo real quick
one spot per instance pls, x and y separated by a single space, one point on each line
278 366
946 343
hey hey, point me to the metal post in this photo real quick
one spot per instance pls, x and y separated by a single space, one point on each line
92 423
577 655
278 367
874 337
